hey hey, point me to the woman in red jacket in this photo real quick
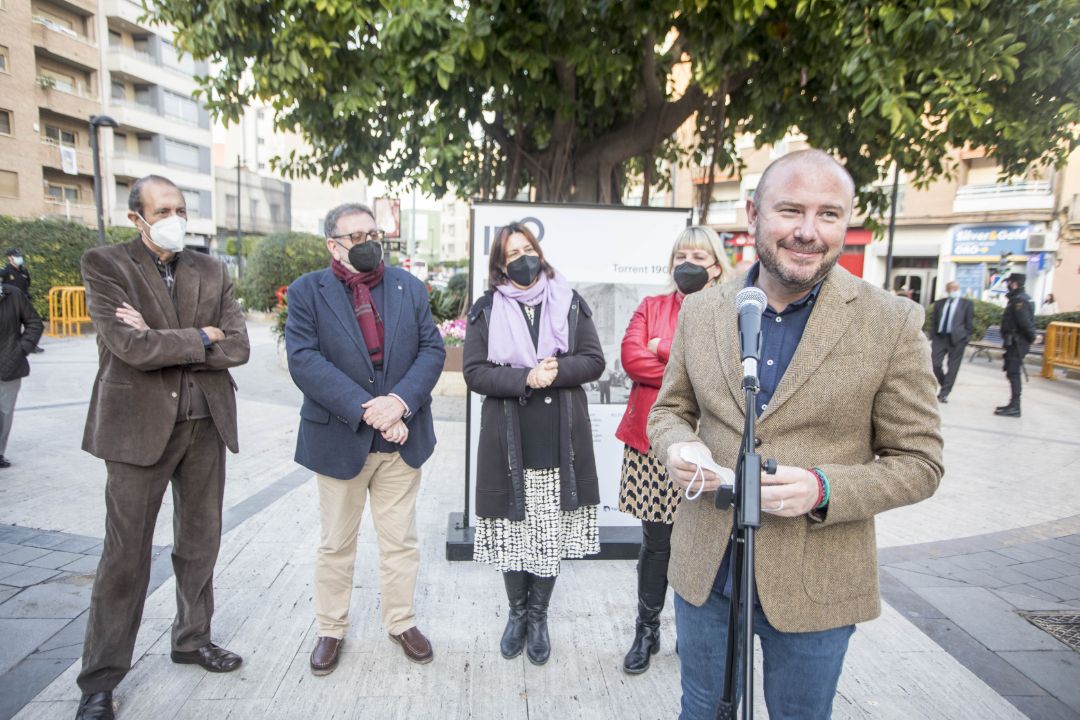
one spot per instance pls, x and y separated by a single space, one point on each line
697 260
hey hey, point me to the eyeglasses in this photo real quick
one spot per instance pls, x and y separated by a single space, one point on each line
361 236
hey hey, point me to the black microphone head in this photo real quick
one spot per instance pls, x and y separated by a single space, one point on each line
751 296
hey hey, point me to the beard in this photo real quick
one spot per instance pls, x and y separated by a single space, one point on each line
794 279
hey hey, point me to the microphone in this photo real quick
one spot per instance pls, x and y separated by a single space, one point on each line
750 302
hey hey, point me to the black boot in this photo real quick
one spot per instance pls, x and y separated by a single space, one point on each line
1010 410
652 589
517 593
539 644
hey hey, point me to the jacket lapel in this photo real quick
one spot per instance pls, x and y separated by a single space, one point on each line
828 323
337 297
727 341
393 299
150 275
187 291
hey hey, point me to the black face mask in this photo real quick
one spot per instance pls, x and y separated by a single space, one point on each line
690 278
365 257
524 270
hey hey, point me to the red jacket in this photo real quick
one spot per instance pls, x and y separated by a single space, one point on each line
656 317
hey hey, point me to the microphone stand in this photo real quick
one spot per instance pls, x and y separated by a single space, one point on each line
746 496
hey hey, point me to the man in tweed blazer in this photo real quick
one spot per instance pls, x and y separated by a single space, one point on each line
848 410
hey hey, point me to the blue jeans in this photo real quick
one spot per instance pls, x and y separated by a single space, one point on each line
801 669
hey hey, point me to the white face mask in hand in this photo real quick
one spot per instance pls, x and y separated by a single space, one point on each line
702 460
698 473
168 234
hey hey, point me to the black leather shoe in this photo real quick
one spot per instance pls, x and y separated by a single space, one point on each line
210 657
943 398
96 706
1009 411
4 463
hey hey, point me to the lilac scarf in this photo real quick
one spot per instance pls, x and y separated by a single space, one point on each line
509 341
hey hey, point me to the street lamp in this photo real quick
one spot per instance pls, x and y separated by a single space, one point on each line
97 121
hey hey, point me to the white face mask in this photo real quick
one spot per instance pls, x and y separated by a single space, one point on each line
954 294
168 234
17 260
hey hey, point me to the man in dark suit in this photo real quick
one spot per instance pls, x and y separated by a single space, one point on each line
163 409
952 323
364 350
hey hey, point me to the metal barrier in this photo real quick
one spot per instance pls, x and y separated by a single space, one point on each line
1062 348
67 310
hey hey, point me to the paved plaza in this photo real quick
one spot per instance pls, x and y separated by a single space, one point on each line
1000 538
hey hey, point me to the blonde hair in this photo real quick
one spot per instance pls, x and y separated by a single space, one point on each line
701 237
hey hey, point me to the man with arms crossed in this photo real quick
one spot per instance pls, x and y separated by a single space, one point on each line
364 350
847 407
163 410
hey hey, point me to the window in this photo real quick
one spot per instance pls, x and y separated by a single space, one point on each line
275 213
144 95
119 90
181 108
230 206
4 59
142 44
60 81
193 200
177 60
55 22
9 184
146 147
123 189
6 123
59 193
119 143
116 40
178 154
59 136
253 206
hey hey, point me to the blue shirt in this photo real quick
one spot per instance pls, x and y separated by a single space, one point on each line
780 336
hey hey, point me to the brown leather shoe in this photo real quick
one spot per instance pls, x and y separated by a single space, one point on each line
324 658
416 646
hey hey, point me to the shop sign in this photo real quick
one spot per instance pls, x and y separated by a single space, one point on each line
990 241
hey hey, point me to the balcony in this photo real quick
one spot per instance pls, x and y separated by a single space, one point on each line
143 66
146 117
79 104
49 156
1018 195
65 44
126 10
137 166
725 212
72 212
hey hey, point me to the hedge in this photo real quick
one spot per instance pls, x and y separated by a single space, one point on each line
277 260
52 249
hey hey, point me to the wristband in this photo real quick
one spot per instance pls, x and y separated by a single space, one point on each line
820 487
824 490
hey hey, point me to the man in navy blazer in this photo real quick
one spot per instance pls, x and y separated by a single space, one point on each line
365 351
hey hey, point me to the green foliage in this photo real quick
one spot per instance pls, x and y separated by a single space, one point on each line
449 304
570 97
52 250
277 260
281 316
249 243
986 314
1041 321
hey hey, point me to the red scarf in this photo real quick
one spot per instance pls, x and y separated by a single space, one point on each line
367 317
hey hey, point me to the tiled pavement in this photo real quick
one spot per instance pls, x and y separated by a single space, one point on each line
967 595
958 567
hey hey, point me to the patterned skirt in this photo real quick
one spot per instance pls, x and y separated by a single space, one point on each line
546 535
645 491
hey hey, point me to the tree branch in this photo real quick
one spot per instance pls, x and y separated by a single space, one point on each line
654 94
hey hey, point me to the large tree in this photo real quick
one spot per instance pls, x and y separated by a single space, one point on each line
489 96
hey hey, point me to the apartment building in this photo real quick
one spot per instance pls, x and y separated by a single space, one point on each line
148 89
254 141
262 206
50 74
959 228
454 233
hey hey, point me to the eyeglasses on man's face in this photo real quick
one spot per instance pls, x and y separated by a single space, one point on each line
360 236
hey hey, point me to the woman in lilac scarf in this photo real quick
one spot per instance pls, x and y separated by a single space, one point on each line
530 346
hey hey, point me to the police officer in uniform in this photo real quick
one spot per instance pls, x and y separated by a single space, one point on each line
1017 333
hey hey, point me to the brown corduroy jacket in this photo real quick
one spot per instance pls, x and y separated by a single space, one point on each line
857 401
136 393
